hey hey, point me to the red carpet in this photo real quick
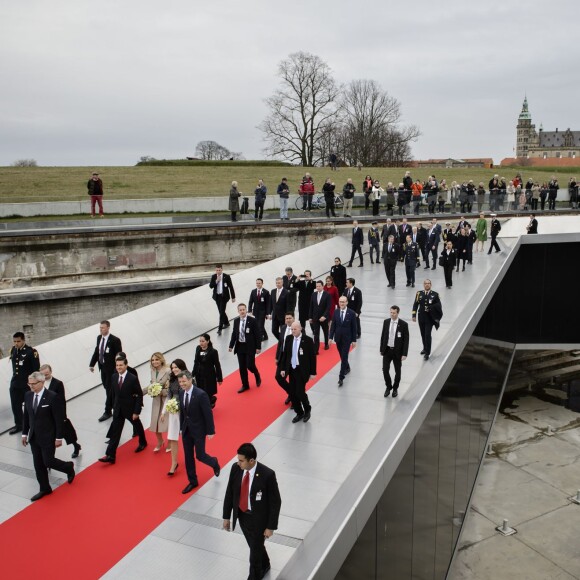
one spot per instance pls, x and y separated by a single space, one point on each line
83 530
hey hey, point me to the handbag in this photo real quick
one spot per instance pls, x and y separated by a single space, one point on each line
441 261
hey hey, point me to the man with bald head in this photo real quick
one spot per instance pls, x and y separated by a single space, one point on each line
343 331
299 363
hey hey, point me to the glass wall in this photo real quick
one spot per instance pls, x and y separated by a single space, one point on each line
414 528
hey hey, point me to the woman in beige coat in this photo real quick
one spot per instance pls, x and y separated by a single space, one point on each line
160 373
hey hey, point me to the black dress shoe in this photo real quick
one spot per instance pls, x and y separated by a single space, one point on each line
360 265
433 268
412 285
141 447
15 430
422 352
258 381
378 261
189 487
326 347
298 418
107 442
40 495
347 370
395 393
226 325
408 284
340 382
426 357
171 473
306 417
107 459
287 401
426 267
70 476
104 417
387 392
265 570
219 332
217 470
243 389
76 451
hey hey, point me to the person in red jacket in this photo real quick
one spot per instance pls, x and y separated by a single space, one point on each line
306 190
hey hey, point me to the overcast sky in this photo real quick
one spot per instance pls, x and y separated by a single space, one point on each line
103 83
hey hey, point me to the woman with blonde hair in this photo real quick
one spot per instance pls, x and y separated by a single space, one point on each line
234 205
160 376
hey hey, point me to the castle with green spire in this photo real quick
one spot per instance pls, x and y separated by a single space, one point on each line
542 144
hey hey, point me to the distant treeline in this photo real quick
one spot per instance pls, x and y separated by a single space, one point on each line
201 163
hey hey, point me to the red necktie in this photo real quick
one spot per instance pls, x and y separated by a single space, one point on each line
243 505
120 382
258 296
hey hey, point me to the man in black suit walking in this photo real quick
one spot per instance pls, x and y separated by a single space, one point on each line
196 421
278 306
358 240
299 363
495 228
285 331
318 315
432 243
69 433
127 404
532 227
394 348
306 287
343 332
246 343
391 257
107 348
259 306
289 282
253 497
355 301
42 428
223 291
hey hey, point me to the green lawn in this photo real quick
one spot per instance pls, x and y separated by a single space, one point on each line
69 183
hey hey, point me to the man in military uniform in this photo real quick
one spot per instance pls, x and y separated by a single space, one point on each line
374 237
411 255
24 361
494 230
428 304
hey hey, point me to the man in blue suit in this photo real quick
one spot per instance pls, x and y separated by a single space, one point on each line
343 332
196 420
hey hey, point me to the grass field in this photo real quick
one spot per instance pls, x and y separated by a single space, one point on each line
28 184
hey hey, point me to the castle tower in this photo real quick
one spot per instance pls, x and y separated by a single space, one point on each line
526 132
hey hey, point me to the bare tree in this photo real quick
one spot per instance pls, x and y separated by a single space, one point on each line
212 151
25 163
300 110
370 118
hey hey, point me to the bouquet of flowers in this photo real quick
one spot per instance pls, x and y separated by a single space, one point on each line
172 406
154 390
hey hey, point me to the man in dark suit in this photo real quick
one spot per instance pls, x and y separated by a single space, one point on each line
532 227
494 229
223 291
358 240
278 306
252 496
338 273
355 302
391 257
246 343
318 315
289 282
306 287
432 243
462 224
421 239
42 428
196 422
259 306
107 348
343 332
299 363
285 331
24 360
394 348
69 433
127 405
405 230
428 304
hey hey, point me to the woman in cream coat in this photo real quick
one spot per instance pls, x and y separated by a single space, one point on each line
160 373
172 419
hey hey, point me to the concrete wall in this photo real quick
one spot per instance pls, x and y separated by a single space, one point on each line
67 258
164 325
